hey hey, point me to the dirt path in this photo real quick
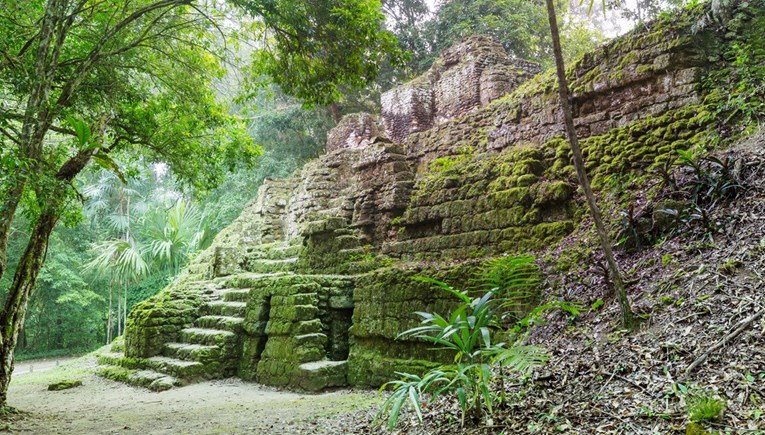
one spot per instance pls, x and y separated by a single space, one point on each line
39 365
220 407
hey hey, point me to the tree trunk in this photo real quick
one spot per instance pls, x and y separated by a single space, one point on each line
119 311
124 311
7 213
335 111
30 264
14 312
628 319
37 116
109 313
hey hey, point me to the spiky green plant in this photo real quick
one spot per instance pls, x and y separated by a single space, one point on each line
468 332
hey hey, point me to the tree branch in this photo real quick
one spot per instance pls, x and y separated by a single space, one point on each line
742 326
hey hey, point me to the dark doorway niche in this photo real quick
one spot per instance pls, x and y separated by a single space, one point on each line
265 315
337 337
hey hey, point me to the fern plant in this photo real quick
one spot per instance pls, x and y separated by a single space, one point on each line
515 280
705 408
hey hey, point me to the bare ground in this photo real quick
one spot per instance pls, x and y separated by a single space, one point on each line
228 406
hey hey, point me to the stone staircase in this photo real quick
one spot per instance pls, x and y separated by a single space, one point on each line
210 349
261 320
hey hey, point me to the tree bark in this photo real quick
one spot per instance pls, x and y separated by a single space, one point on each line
627 318
15 309
30 264
335 111
32 133
109 313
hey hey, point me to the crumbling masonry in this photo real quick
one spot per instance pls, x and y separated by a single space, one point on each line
310 286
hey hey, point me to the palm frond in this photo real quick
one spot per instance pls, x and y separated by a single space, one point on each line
521 358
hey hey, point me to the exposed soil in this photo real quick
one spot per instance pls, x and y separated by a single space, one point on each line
101 406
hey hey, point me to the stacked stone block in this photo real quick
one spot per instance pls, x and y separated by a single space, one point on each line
293 320
474 166
467 76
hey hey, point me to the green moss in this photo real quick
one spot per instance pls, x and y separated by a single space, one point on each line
115 373
64 384
646 69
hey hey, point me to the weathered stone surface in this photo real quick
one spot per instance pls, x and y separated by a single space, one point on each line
318 269
319 375
469 75
408 109
356 130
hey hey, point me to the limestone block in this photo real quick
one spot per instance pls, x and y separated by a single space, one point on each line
353 131
318 375
225 261
466 76
407 109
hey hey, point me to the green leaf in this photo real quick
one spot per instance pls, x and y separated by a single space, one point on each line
414 399
103 160
81 130
597 304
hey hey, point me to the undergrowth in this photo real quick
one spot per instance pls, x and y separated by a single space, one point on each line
469 333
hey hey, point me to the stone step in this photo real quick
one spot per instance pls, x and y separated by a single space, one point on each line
191 370
234 295
273 251
113 359
225 323
208 337
313 339
192 352
226 308
348 241
269 265
245 280
154 381
318 375
355 252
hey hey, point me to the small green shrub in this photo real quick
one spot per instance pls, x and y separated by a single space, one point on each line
468 331
710 179
743 101
666 259
703 181
632 234
702 407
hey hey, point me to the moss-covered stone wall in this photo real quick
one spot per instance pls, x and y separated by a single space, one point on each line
385 301
292 320
325 258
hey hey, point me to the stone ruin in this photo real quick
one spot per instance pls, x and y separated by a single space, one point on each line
468 75
311 285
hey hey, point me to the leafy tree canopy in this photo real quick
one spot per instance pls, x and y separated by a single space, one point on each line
312 48
119 77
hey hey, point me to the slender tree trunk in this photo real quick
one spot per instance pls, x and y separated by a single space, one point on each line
335 111
14 312
119 311
628 319
30 264
124 311
7 213
109 313
32 132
